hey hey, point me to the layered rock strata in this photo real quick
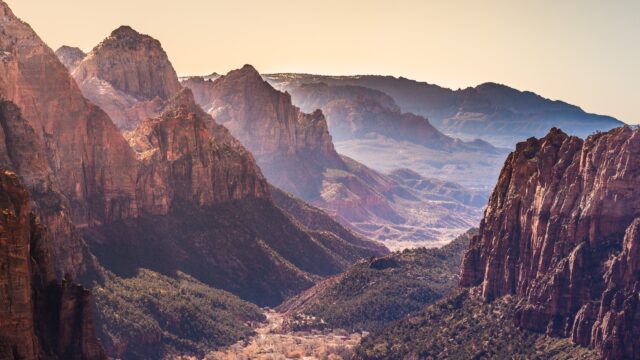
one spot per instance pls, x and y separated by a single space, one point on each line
560 232
41 317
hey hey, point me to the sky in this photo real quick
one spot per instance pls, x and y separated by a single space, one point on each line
584 52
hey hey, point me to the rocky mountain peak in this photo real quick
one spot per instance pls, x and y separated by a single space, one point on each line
249 77
125 31
70 56
188 158
133 63
553 235
246 70
5 10
263 118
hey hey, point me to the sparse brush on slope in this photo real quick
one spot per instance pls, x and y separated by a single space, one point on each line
461 326
154 316
373 293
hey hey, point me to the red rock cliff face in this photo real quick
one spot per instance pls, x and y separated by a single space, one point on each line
22 151
79 167
560 210
183 163
93 163
40 318
293 149
264 119
129 76
70 56
133 63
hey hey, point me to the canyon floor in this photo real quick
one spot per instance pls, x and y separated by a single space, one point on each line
272 343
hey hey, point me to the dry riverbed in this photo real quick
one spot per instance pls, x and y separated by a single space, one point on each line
271 343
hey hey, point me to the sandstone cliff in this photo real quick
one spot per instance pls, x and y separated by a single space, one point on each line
93 166
70 56
129 76
182 162
264 119
41 318
291 147
554 235
206 210
22 151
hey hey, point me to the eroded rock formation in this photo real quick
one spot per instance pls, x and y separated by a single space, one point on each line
206 210
41 318
183 163
78 167
554 235
70 56
293 148
129 76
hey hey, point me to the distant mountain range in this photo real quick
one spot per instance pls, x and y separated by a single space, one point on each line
493 112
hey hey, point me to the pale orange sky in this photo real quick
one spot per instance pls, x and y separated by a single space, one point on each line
583 52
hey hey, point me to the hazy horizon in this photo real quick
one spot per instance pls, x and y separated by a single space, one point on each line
580 52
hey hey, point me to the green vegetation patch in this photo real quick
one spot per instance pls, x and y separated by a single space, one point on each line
381 290
462 326
154 316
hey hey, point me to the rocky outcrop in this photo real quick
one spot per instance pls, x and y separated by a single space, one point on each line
22 151
615 329
41 318
129 76
183 163
133 63
558 214
70 56
292 148
264 119
67 147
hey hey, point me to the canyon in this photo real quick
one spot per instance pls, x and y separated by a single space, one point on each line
555 259
250 215
295 151
108 202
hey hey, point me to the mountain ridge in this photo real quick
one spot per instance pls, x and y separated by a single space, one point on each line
447 108
296 153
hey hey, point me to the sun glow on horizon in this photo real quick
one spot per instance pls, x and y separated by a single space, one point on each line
582 52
